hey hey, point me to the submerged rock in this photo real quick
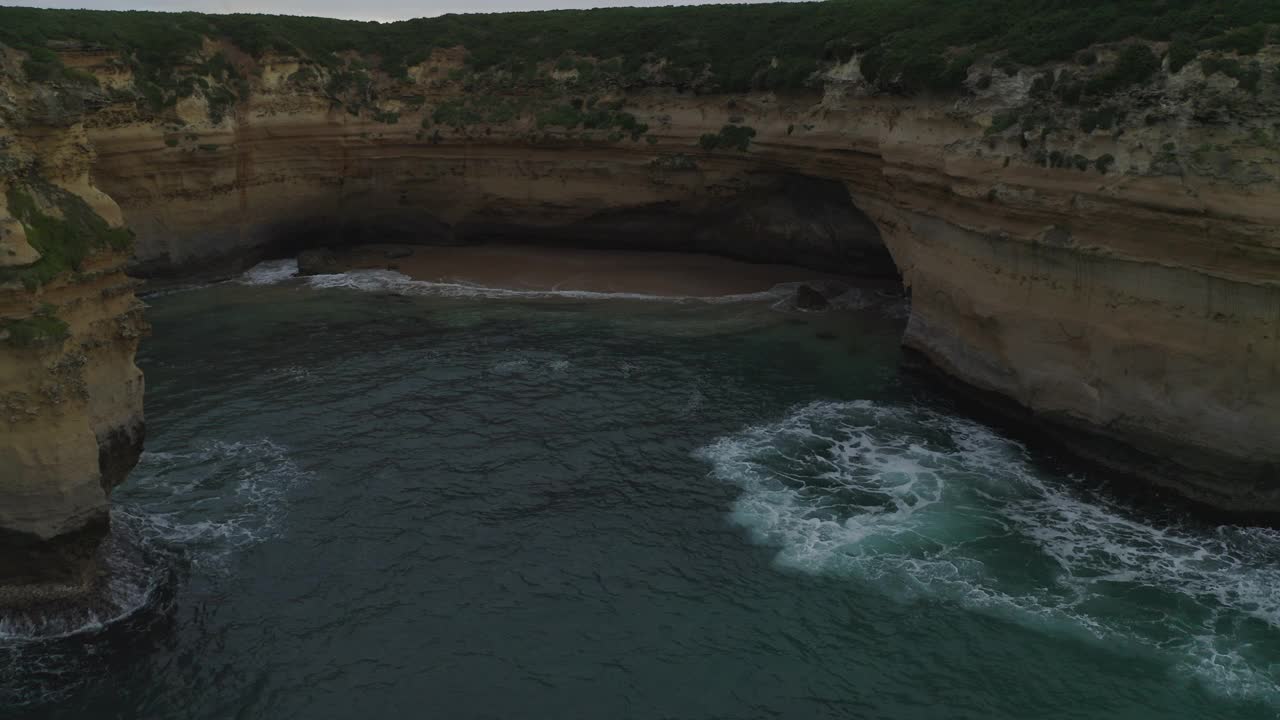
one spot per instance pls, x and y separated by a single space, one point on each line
321 261
808 298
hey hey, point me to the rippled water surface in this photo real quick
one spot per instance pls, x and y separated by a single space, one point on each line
368 498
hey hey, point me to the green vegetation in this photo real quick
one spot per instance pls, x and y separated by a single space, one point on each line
475 110
1058 159
1003 122
63 243
43 65
1245 41
1248 76
1103 118
1181 52
904 45
730 137
674 163
386 117
592 115
43 326
1135 65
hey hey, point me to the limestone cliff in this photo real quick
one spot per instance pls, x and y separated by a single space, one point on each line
1109 267
70 394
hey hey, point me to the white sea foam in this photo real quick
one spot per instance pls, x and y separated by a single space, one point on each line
295 373
238 490
146 293
531 366
915 499
270 272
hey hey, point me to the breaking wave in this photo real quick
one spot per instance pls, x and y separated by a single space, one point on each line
926 504
215 499
270 272
237 490
179 511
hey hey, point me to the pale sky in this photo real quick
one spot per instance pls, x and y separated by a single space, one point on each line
358 9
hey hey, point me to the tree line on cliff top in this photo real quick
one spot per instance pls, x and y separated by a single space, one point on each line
905 45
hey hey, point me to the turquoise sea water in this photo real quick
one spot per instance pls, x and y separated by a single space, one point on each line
364 497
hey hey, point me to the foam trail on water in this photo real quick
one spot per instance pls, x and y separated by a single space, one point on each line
915 501
238 489
392 281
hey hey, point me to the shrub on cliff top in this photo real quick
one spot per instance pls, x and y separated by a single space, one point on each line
730 137
1244 41
914 43
1248 77
1181 52
1135 65
1103 118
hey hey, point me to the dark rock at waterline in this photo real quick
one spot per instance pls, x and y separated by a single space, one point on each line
809 299
36 571
395 253
318 262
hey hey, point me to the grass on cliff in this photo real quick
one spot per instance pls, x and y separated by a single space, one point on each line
63 243
730 137
906 45
43 326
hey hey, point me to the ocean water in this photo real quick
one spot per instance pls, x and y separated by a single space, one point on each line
368 497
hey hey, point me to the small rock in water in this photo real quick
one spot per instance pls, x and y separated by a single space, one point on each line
809 299
399 252
318 262
832 289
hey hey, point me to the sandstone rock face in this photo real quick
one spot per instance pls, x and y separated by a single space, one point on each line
1119 282
71 422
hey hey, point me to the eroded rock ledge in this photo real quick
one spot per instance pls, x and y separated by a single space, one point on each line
1117 278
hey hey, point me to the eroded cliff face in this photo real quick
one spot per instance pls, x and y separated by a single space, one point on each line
71 417
1110 269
